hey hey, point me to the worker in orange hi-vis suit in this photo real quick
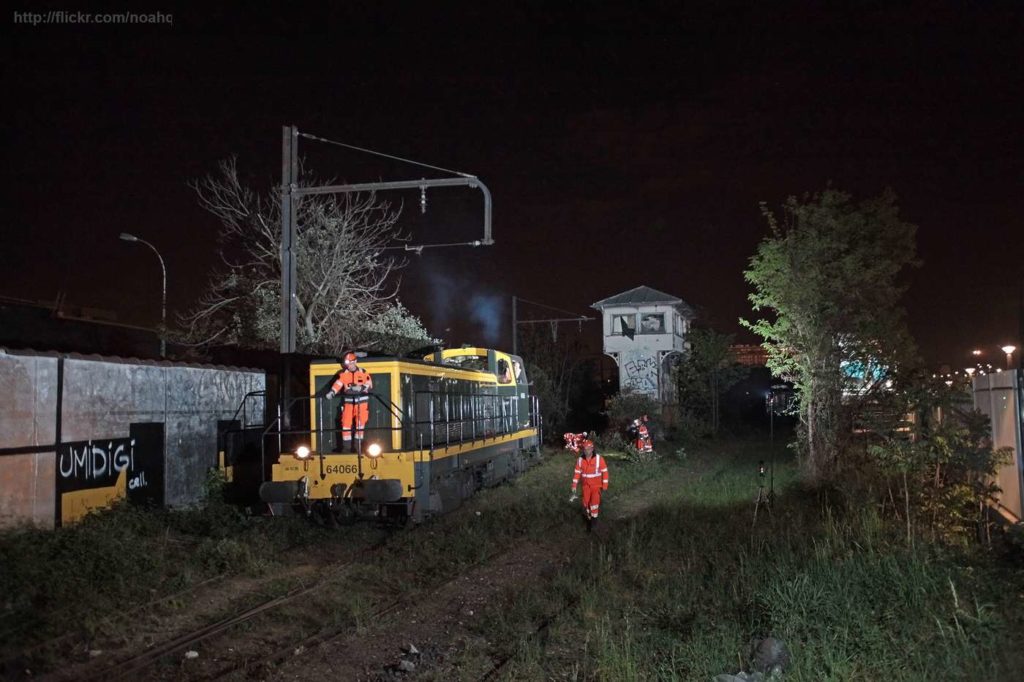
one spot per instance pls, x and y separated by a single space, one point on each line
354 384
593 469
573 441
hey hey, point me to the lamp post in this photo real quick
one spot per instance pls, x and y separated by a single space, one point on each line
1009 355
163 301
773 392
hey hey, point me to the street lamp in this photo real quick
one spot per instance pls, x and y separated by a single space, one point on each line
163 301
1009 355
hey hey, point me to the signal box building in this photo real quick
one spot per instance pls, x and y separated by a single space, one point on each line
643 328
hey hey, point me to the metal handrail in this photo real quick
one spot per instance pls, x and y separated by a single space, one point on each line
244 402
500 415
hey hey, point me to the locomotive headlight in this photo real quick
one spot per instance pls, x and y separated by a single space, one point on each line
302 452
373 450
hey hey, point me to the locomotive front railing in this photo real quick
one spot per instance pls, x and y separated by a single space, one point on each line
466 417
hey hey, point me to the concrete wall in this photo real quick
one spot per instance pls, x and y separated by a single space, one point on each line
101 397
27 490
29 400
27 418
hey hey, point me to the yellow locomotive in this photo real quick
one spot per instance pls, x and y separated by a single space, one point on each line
438 430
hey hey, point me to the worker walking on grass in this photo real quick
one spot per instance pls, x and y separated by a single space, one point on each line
593 469
354 384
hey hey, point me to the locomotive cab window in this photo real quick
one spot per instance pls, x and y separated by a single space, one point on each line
470 362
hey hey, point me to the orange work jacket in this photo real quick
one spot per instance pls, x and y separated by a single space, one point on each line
354 385
591 470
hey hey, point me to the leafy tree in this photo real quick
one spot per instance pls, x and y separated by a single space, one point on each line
395 331
342 269
829 275
702 376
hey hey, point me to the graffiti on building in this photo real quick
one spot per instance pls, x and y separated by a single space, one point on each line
96 473
96 462
640 373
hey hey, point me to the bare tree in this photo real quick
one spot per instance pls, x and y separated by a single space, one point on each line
343 272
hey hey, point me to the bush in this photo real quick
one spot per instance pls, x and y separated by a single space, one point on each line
944 477
639 456
623 408
611 441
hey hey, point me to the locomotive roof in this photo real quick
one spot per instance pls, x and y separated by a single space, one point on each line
448 353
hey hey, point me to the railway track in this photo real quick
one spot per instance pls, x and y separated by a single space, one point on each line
330 635
128 668
496 670
56 642
134 666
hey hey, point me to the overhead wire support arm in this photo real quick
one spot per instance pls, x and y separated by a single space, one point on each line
553 321
466 181
291 192
558 319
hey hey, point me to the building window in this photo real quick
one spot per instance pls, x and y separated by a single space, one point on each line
652 323
623 325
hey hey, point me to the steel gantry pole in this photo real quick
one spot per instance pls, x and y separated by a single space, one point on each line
291 193
515 329
289 181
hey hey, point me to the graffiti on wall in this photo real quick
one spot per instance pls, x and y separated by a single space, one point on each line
639 372
96 473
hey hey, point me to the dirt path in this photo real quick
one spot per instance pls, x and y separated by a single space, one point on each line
436 625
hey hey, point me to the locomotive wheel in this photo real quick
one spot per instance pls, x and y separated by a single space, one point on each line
343 514
321 514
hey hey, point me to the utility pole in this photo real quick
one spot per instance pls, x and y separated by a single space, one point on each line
291 193
515 329
289 182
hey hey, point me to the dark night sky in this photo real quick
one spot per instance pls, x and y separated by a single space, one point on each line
622 146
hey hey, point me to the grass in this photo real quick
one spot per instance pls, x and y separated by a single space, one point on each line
678 592
74 580
85 579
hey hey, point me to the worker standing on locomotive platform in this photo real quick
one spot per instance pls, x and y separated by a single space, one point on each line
354 384
593 469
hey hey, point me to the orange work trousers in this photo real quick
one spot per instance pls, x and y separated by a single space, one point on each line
358 412
591 499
